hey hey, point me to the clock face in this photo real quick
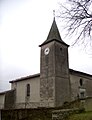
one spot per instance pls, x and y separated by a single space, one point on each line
46 51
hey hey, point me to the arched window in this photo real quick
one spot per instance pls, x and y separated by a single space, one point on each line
60 49
81 82
28 89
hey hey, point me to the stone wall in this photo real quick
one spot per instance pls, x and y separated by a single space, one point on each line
37 114
63 114
9 99
27 114
57 113
0 114
87 103
2 98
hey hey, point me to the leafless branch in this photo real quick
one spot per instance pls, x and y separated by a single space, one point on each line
78 17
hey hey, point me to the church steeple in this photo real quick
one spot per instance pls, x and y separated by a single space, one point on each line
53 35
54 69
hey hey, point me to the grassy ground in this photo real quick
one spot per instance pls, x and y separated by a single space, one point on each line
81 116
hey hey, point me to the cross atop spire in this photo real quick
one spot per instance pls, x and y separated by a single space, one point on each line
54 13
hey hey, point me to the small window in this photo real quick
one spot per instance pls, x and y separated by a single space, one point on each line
28 89
61 49
82 94
81 82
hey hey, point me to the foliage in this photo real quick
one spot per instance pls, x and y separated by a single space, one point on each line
81 116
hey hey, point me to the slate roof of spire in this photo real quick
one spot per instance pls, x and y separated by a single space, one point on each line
53 35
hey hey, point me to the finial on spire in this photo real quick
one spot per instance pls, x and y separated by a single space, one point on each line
54 13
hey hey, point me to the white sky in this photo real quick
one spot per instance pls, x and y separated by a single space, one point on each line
24 24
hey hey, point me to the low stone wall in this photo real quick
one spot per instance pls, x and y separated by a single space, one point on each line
63 113
60 113
37 114
27 114
87 103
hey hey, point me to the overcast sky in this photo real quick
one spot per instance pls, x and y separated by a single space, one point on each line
24 25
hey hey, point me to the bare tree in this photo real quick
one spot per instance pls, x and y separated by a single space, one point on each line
78 16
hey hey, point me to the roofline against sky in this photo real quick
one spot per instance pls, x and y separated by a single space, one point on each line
38 75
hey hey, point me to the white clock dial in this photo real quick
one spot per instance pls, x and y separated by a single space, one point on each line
46 51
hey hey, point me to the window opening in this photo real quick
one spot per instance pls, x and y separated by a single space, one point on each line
28 89
82 94
61 49
81 82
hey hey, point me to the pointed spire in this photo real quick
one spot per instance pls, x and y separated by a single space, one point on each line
54 34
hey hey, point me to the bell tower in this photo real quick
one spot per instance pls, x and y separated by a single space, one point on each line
54 70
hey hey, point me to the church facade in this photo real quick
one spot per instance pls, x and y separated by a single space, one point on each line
55 85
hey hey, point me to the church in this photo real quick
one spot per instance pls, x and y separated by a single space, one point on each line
56 83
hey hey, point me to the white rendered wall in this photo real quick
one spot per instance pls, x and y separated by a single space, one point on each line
34 90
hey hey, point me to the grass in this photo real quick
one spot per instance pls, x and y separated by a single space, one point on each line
81 116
